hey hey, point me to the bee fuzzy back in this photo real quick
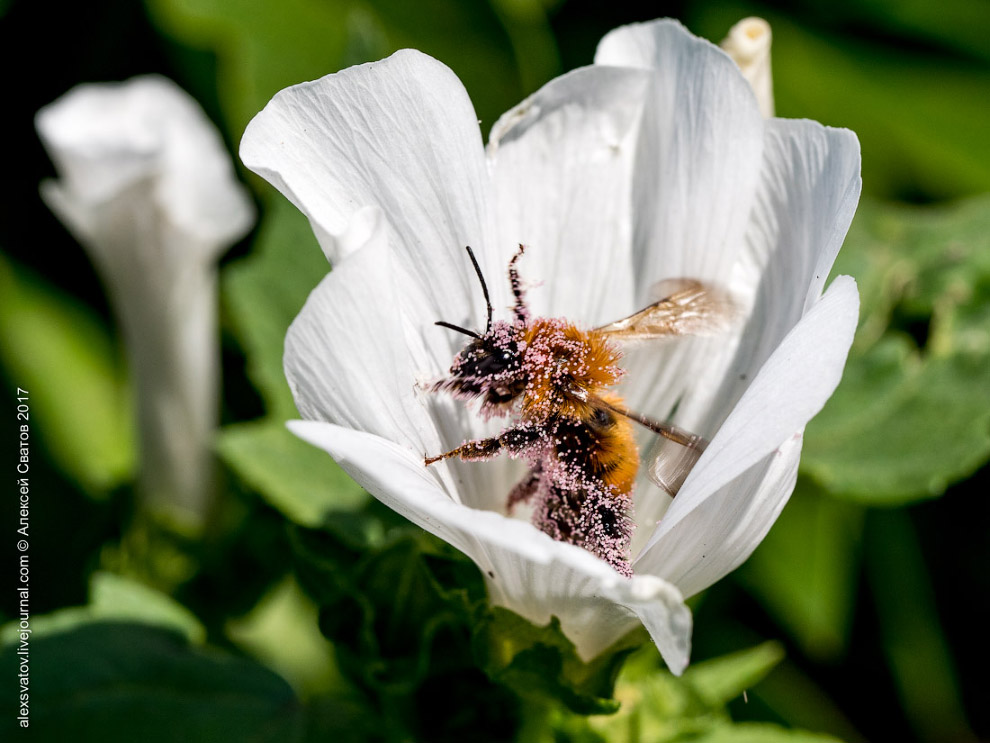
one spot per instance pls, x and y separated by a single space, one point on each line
564 367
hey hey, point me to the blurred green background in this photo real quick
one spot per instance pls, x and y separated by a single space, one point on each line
874 582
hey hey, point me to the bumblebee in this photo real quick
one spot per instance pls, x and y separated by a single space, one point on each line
575 434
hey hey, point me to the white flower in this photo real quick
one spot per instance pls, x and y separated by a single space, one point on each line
148 188
748 43
653 163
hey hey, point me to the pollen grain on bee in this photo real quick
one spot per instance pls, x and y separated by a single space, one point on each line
552 379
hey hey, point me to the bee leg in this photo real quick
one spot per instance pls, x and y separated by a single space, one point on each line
477 450
525 489
513 440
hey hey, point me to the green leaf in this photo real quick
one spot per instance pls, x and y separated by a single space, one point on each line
956 24
299 480
400 607
383 608
934 30
405 610
806 570
335 719
263 47
78 402
540 662
912 414
758 732
720 680
121 681
918 138
471 40
532 40
919 656
114 598
282 631
657 706
264 292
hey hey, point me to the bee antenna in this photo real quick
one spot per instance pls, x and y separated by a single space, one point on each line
484 289
517 291
458 328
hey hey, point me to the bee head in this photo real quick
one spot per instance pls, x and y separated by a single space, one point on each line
490 367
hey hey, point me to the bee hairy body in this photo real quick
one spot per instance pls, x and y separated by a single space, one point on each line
555 380
602 445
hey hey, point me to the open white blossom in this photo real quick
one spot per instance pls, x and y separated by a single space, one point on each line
652 163
148 188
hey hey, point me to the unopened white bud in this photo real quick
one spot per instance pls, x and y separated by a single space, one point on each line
748 43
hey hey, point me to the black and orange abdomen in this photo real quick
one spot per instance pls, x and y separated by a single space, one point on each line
588 500
602 447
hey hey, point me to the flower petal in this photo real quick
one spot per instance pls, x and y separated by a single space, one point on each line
107 138
698 156
808 193
660 607
358 350
526 570
722 532
563 160
595 606
697 167
374 393
788 391
401 135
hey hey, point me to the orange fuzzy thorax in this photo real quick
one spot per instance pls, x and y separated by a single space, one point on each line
564 366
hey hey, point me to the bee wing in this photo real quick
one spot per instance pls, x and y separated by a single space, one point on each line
670 461
685 307
673 454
